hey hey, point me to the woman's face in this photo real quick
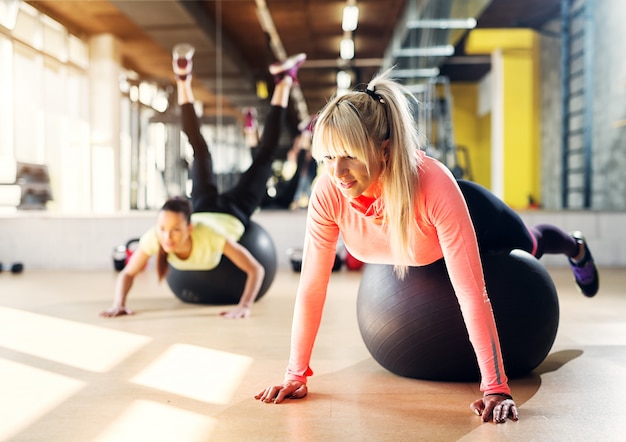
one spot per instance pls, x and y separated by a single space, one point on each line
173 230
352 177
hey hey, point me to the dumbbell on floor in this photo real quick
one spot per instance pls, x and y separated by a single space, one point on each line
16 267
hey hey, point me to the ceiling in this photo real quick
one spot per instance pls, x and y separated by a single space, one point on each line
236 40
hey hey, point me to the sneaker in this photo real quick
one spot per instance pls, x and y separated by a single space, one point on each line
182 60
288 67
250 118
307 125
585 271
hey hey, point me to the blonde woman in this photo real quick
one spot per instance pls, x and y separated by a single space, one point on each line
379 185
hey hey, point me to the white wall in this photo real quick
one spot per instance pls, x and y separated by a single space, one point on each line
48 241
54 241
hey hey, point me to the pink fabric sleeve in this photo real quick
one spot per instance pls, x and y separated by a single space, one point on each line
448 212
320 244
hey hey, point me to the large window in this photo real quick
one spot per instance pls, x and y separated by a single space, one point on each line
45 119
110 140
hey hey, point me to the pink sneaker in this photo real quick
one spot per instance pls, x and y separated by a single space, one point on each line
288 66
250 118
182 60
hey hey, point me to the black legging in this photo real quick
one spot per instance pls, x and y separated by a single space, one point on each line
499 228
245 197
286 190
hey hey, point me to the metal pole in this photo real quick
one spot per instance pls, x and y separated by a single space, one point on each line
565 97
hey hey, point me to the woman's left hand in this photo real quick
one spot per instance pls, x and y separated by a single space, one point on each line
236 313
496 408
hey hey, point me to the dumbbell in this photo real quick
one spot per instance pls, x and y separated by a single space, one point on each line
16 267
121 254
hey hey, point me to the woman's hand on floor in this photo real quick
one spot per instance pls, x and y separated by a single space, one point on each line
287 390
236 313
116 311
496 408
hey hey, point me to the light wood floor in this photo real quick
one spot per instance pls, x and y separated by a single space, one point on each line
178 372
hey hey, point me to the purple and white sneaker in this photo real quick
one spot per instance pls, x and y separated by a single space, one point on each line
585 271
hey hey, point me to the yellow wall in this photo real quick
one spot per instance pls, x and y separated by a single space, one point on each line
472 132
521 129
518 50
463 119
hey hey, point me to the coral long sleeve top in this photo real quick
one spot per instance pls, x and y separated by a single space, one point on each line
445 231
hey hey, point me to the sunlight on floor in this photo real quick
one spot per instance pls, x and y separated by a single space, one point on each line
29 393
197 373
202 374
150 421
67 342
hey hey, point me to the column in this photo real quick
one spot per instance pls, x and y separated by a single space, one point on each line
104 72
515 137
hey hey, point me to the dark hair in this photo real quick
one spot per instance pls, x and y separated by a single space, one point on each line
177 204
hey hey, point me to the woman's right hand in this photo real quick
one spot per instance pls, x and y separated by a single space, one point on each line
277 393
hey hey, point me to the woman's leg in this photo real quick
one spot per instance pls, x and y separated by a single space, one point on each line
204 188
287 189
498 228
246 196
553 240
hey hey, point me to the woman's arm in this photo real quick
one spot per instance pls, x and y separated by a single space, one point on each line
242 258
319 248
449 213
310 298
124 283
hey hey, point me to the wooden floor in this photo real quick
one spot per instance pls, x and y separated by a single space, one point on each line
178 372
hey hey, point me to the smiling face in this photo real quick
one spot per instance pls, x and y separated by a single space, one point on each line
174 231
352 176
354 161
355 155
